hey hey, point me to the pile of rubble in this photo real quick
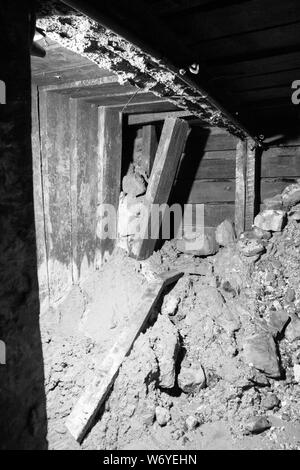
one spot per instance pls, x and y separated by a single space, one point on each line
223 346
221 350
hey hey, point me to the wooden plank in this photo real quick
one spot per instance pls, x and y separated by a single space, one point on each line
286 166
135 119
84 188
240 17
252 43
169 151
214 213
250 190
109 174
270 187
120 99
207 169
85 410
203 191
57 130
69 74
38 194
240 189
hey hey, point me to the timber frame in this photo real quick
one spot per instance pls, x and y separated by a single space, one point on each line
149 70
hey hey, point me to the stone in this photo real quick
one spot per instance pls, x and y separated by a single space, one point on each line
290 295
260 352
250 246
170 304
262 234
225 234
292 332
258 378
191 423
270 401
294 213
162 415
258 425
133 184
291 195
191 378
277 321
297 372
165 344
148 416
274 202
203 244
270 220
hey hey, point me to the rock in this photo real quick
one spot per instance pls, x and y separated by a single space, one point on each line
249 246
292 332
225 234
165 344
291 195
274 202
162 415
270 401
297 372
270 220
258 425
133 184
203 244
277 321
294 213
258 378
262 234
260 352
128 213
290 295
148 416
170 304
191 378
191 423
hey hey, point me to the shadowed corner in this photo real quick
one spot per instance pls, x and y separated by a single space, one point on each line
22 394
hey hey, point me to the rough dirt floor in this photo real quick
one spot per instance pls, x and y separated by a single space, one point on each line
217 367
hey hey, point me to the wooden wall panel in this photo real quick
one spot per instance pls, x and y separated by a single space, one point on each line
280 166
56 132
84 188
39 205
109 174
206 174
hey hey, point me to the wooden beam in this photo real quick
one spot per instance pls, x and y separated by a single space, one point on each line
135 119
89 403
250 200
240 186
169 151
246 194
109 174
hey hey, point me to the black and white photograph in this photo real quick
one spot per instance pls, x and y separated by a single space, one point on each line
149 228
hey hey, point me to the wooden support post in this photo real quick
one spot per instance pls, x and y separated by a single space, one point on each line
85 410
250 184
109 174
246 188
169 151
240 186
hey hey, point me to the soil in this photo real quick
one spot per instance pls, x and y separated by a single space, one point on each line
202 325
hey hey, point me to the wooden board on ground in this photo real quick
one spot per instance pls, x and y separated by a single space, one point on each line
81 418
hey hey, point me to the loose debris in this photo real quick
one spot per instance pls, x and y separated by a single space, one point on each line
220 355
